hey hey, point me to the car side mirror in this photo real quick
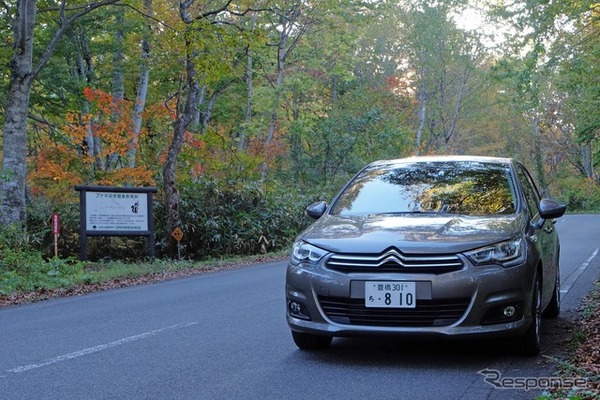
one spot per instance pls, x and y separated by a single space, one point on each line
316 210
551 209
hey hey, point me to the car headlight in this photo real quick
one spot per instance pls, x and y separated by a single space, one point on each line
506 253
303 252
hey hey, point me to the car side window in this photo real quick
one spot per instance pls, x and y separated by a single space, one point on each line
530 191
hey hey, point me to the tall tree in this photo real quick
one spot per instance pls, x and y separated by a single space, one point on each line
577 53
291 21
531 68
441 59
23 71
205 58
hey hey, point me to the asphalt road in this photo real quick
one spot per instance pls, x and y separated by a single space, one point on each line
224 336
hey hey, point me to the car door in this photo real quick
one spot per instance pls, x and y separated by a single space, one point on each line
544 233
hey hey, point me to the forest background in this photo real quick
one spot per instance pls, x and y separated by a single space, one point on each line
243 112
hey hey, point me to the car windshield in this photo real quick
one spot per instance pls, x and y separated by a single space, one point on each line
450 187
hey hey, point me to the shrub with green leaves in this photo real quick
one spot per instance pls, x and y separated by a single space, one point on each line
27 271
39 213
10 282
238 218
24 268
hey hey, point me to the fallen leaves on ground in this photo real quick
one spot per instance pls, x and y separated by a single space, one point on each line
585 359
587 356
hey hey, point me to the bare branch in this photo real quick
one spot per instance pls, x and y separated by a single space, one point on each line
42 120
249 10
63 15
146 15
183 10
86 9
215 12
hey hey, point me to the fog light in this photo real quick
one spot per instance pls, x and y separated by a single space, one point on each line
297 310
502 314
509 311
295 307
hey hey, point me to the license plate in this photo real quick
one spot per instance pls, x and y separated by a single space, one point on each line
390 294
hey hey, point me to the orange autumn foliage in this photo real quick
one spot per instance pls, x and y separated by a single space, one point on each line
66 160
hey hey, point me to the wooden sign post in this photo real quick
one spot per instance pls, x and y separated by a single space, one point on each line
55 231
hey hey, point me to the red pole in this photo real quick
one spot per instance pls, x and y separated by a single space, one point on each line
56 231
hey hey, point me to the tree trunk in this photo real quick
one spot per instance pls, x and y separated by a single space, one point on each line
281 53
422 115
15 152
243 135
184 118
450 134
14 155
208 112
538 155
587 161
197 113
85 74
334 89
139 105
142 92
118 86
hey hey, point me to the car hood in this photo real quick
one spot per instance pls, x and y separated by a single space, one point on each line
413 233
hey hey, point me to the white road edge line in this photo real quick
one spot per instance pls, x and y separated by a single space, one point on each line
96 349
574 276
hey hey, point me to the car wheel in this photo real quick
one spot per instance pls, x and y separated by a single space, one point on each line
309 341
530 342
553 309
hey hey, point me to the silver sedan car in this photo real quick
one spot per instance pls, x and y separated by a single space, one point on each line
426 246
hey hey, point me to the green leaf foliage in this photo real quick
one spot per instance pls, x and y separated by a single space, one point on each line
221 218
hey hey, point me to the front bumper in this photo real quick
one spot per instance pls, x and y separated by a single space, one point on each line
464 303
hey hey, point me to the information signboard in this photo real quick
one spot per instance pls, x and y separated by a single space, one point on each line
112 211
115 211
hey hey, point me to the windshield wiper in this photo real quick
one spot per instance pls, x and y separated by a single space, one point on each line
424 212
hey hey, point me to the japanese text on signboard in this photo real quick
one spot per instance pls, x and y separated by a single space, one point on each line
108 211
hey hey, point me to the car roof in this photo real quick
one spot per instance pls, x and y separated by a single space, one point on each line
445 158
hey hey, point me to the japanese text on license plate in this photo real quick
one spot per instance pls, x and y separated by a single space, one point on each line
390 294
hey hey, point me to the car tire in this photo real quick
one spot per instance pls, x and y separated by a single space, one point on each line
309 341
531 340
553 309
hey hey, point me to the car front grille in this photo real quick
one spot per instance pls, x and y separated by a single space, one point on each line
426 314
394 261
